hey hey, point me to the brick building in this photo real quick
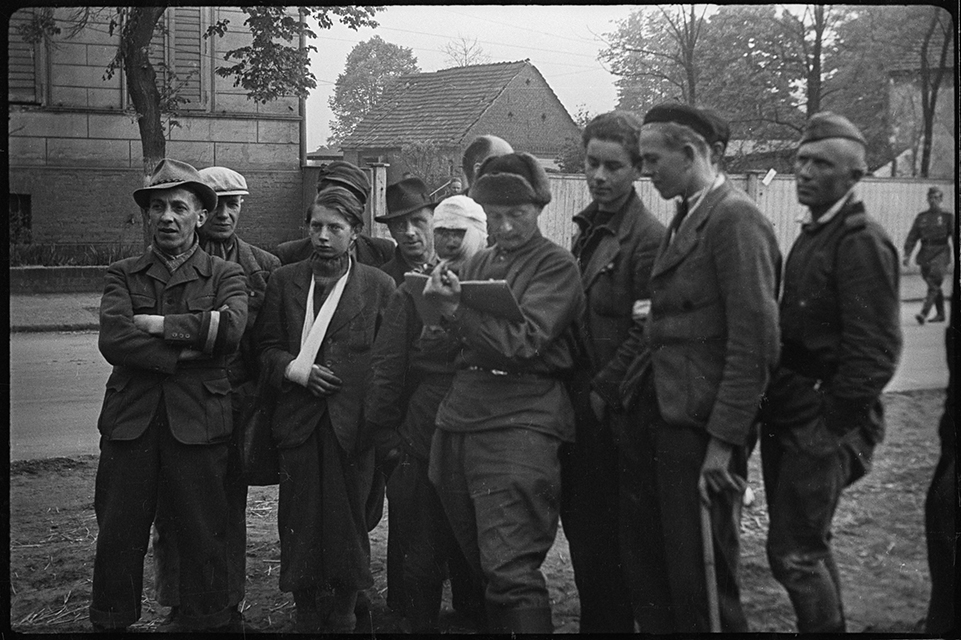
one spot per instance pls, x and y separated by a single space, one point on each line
424 120
75 154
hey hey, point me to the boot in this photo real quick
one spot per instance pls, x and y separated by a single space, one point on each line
534 620
939 308
308 618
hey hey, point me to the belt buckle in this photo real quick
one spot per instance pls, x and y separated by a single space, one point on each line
498 372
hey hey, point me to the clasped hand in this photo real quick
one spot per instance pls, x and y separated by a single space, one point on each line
716 476
443 290
322 381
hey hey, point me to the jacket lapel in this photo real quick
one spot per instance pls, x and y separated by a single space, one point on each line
351 301
688 236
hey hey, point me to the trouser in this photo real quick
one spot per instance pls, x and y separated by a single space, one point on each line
942 534
933 274
589 515
321 515
660 528
500 490
806 466
166 560
130 476
427 542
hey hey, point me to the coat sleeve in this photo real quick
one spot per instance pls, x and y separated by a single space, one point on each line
913 236
216 331
747 263
552 300
386 404
270 333
121 343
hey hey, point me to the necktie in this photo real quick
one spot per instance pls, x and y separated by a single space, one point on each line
682 209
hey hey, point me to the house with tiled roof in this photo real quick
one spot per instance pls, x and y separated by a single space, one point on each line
423 121
904 113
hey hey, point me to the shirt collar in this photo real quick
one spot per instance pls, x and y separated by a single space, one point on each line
807 219
698 197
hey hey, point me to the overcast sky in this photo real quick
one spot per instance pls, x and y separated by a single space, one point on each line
562 41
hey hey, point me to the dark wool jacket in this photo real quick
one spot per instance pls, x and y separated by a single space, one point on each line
374 252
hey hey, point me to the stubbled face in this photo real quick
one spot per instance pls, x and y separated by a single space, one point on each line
329 232
174 216
413 235
511 226
823 173
222 224
447 242
610 173
669 169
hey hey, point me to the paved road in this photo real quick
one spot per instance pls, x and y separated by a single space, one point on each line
57 384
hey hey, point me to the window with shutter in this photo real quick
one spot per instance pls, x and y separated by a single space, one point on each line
22 62
176 52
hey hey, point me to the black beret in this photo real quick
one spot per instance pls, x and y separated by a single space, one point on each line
515 178
825 125
683 114
722 132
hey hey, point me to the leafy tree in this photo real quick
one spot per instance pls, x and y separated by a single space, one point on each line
571 159
428 161
370 67
463 52
274 65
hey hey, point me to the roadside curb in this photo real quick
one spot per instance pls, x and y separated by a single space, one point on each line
49 328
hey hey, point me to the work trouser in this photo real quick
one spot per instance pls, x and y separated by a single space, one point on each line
130 476
166 559
500 489
660 526
806 466
426 540
589 515
933 274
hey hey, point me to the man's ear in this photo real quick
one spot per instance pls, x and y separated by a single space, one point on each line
690 153
201 217
857 174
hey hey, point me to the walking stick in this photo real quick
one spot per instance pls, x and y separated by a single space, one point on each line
710 573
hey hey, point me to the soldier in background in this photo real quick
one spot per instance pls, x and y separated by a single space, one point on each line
933 228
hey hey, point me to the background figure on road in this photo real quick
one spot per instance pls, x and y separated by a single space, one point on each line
494 456
315 333
941 523
712 341
218 237
413 366
840 343
365 249
934 229
615 247
169 322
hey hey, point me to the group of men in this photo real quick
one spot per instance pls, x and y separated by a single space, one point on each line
625 404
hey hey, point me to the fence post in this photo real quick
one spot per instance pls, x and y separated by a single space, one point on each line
753 184
378 195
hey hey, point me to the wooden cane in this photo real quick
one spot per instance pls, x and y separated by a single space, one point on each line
710 573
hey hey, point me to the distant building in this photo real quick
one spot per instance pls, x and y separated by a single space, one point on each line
323 155
423 121
75 155
904 109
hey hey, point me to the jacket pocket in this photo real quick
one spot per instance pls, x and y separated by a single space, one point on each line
219 408
115 400
142 303
200 303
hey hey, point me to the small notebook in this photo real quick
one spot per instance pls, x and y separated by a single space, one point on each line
490 296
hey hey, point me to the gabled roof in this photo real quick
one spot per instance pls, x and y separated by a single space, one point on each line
438 107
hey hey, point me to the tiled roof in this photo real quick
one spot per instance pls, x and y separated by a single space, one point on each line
911 61
438 107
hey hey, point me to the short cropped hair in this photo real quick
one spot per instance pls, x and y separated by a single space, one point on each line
621 127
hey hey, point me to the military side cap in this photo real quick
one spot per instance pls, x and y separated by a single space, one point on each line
515 178
935 191
826 124
407 196
683 114
347 175
226 182
171 174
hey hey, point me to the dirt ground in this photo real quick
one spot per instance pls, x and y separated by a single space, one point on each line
879 543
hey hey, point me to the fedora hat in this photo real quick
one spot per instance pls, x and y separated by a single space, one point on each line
405 197
171 174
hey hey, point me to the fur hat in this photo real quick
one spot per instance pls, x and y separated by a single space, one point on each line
683 114
515 178
226 182
406 196
830 125
171 174
347 175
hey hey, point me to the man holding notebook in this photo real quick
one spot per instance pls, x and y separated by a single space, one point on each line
494 456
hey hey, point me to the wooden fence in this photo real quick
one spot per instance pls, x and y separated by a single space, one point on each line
893 202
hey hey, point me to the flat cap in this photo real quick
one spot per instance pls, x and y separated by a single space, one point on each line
826 124
226 182
515 178
683 114
171 174
345 174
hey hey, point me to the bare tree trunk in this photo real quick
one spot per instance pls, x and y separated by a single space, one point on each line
142 88
814 68
930 84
